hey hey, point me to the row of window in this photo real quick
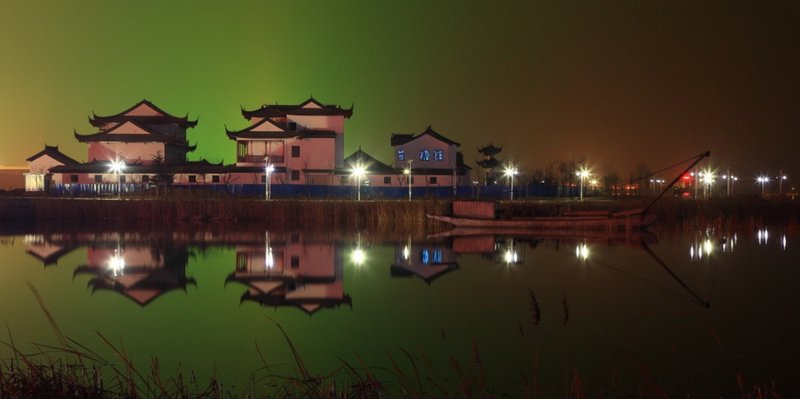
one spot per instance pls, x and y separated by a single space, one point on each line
424 155
145 178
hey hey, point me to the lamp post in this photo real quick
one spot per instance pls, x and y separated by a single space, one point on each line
583 173
268 169
781 178
708 181
407 172
510 172
118 167
763 180
359 171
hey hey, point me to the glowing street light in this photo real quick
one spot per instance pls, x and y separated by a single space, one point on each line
707 177
729 180
763 180
118 167
583 173
359 171
510 172
781 179
268 169
407 172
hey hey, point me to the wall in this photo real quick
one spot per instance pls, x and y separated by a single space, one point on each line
130 152
425 142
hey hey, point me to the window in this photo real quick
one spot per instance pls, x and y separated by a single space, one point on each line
424 155
387 180
295 175
438 155
295 261
215 179
295 151
401 155
73 178
98 178
145 178
192 179
433 180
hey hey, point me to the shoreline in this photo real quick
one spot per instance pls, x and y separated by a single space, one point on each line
374 215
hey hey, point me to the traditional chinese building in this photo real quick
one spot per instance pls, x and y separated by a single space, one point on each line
432 158
304 142
39 177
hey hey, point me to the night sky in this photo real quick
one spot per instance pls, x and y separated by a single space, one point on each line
615 82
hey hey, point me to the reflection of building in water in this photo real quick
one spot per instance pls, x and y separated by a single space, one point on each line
47 249
426 260
141 273
288 271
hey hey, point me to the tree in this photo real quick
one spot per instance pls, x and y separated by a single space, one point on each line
163 177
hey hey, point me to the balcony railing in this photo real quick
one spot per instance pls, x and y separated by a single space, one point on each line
258 159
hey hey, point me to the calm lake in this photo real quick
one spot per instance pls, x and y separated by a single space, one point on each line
705 313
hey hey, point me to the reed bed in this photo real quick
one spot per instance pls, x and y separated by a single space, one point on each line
376 216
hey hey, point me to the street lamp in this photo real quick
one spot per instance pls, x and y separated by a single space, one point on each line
583 173
708 180
118 167
407 172
510 172
781 179
268 169
763 180
359 171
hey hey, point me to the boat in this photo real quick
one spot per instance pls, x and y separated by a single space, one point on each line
626 220
481 214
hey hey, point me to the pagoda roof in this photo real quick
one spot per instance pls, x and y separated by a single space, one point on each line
490 149
400 139
158 116
53 152
308 107
490 163
371 164
308 305
149 135
247 133
427 273
199 167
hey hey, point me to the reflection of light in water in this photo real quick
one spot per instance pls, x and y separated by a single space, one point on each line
358 256
702 249
406 253
763 236
783 242
510 256
582 251
117 263
269 261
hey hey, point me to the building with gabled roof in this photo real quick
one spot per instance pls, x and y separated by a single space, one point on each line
431 155
137 135
305 140
39 177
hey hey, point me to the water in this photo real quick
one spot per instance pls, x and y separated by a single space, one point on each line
699 314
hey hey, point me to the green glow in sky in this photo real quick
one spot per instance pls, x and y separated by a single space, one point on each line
617 83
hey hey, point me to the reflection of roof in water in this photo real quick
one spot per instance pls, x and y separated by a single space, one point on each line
276 290
427 273
141 284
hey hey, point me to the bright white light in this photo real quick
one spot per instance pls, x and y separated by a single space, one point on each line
359 170
406 253
763 236
582 251
117 166
510 171
116 263
358 256
406 171
783 242
270 168
583 173
708 247
762 179
510 256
